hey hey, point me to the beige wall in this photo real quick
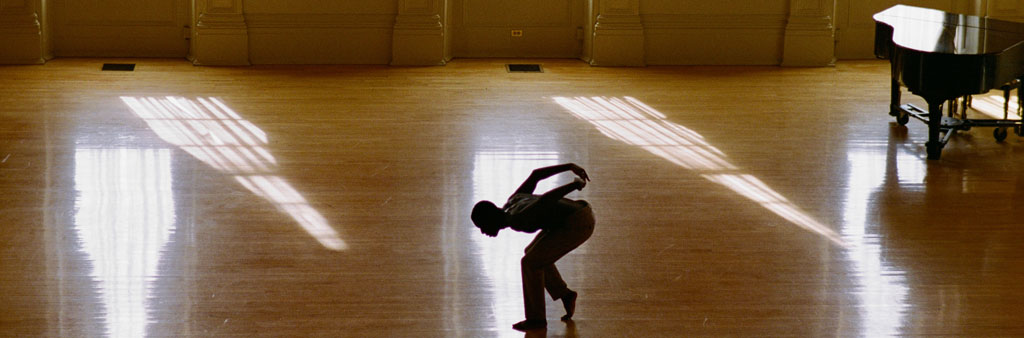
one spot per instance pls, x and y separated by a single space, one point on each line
21 32
714 32
615 32
320 31
128 28
550 28
1006 9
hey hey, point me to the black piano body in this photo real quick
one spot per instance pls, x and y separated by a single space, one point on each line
942 56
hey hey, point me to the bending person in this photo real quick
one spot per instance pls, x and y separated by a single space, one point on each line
564 224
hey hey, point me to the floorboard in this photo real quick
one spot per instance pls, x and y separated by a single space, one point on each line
334 201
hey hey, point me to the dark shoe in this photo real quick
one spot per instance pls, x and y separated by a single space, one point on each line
527 325
569 300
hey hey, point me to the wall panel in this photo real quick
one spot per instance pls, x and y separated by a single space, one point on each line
551 28
1006 9
120 28
21 33
321 6
720 7
320 31
714 32
320 38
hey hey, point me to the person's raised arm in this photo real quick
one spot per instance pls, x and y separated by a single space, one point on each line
530 184
557 193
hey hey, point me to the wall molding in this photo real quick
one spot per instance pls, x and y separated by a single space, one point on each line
696 21
418 38
221 35
1012 10
810 34
618 34
324 21
21 34
170 19
713 39
320 38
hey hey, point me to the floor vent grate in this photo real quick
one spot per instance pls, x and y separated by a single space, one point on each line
126 67
524 68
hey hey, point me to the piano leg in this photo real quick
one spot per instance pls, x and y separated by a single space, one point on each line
965 103
1020 105
1006 101
894 100
1020 97
935 141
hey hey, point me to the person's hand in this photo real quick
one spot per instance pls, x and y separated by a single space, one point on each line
581 182
580 172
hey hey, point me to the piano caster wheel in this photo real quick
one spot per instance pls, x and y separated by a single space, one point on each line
999 134
903 118
934 151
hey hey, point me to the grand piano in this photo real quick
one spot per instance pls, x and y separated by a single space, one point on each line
942 56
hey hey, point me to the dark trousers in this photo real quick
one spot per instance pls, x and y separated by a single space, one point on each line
538 265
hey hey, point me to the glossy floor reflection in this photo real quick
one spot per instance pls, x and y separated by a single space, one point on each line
213 133
124 215
334 201
637 124
881 288
495 176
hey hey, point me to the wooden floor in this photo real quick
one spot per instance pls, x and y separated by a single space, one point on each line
334 201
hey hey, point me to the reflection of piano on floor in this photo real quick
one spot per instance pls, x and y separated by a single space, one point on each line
942 56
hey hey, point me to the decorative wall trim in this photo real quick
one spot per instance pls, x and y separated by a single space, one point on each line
618 34
1012 10
619 7
21 38
715 46
429 22
810 34
221 21
20 22
169 17
695 39
314 38
418 38
221 34
326 21
692 21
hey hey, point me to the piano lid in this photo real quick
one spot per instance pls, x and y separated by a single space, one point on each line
935 31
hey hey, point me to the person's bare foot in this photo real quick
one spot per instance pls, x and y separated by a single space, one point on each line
569 300
530 324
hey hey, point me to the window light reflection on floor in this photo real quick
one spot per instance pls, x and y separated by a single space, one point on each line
882 288
215 134
992 106
635 123
124 215
496 174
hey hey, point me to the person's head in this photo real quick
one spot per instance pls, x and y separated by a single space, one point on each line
488 217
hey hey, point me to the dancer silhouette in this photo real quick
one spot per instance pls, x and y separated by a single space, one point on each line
564 224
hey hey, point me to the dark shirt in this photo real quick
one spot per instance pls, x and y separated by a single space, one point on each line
525 214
